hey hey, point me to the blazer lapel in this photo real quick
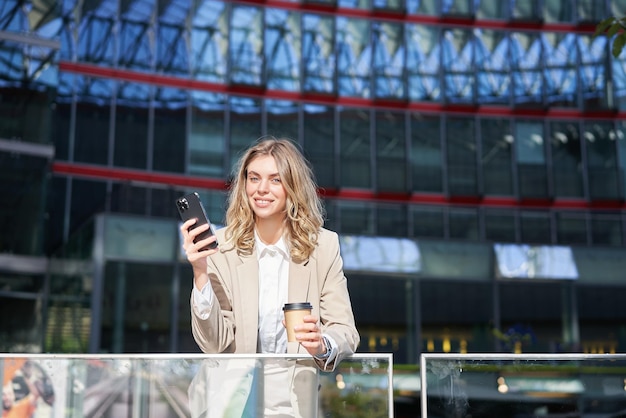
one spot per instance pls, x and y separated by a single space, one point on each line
248 284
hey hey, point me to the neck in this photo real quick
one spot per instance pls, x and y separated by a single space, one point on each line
269 231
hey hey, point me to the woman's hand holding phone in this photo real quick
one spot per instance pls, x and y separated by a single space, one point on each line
197 250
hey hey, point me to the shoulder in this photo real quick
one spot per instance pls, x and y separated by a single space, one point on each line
327 242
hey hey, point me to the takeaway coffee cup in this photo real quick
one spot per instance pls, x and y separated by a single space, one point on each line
294 314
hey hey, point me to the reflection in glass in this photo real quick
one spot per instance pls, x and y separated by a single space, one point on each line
566 159
535 227
245 49
93 120
571 228
600 140
461 156
131 125
282 49
496 159
423 62
426 153
500 225
282 118
319 142
463 224
354 148
353 57
391 163
136 47
209 41
561 61
530 156
492 66
458 65
245 125
170 123
388 62
206 142
356 218
592 71
318 53
427 222
526 53
172 56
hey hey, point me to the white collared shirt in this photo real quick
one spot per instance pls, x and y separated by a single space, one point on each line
273 286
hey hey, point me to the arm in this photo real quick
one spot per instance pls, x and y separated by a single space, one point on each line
336 316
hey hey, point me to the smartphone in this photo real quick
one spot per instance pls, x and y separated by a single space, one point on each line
190 206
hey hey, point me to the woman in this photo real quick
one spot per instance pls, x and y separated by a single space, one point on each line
273 250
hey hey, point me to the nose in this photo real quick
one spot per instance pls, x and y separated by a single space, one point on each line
263 186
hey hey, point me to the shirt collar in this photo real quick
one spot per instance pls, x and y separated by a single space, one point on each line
262 248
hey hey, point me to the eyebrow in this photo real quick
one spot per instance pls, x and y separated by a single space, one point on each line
257 174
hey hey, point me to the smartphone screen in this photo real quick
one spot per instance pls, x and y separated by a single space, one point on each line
189 207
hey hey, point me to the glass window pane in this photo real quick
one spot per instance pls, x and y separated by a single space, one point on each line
209 41
423 7
354 60
136 318
558 11
355 148
282 118
606 229
96 28
391 220
464 224
458 66
530 156
391 164
427 222
526 52
492 66
318 53
461 155
131 125
531 316
423 62
170 128
602 170
426 154
592 71
206 142
245 125
601 318
561 68
172 53
93 119
590 10
246 45
571 229
319 142
525 9
388 62
282 49
566 159
500 226
456 316
491 9
135 36
496 158
535 228
356 218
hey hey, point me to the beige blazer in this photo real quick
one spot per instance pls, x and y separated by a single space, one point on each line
232 325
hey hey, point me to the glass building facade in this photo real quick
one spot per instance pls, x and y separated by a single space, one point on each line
471 155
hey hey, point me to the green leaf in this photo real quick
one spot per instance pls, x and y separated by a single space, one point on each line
603 25
618 45
616 27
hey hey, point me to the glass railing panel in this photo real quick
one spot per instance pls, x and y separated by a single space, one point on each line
175 385
523 385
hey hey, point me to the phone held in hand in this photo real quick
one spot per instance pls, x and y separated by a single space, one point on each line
189 207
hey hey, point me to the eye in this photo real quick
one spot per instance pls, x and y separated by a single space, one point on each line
276 180
253 179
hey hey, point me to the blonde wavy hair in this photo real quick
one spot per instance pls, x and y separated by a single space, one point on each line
304 211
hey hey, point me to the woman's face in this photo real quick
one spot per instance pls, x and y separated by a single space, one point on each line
265 190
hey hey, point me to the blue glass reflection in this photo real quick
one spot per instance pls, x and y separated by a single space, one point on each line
353 57
209 41
318 53
282 49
